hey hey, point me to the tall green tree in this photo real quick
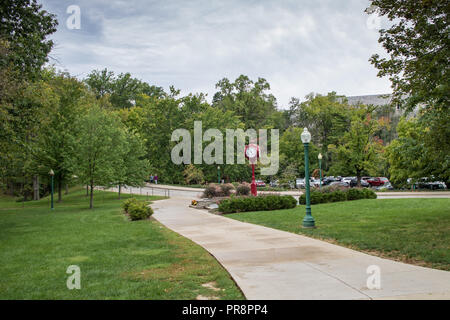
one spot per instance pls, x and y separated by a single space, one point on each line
25 27
359 149
98 148
418 47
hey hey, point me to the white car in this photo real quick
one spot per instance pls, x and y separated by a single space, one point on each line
347 179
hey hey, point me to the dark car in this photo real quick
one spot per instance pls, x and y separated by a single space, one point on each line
364 183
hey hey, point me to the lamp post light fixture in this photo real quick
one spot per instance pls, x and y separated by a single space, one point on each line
218 174
52 174
320 169
308 221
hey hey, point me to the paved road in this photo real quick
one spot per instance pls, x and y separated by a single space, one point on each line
273 264
190 193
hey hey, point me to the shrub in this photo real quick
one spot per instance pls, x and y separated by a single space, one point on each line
126 204
355 194
136 210
212 191
260 203
243 189
369 193
139 211
226 189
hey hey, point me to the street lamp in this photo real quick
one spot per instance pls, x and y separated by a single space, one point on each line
320 169
308 221
52 174
218 174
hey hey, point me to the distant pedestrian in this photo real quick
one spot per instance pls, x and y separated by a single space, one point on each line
151 178
156 179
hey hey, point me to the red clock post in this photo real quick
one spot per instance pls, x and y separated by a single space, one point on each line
252 154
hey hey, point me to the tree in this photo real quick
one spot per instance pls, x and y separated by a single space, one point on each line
327 118
418 46
193 175
410 155
359 149
134 168
98 148
247 99
25 27
52 148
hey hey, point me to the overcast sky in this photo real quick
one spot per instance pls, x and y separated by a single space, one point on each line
298 46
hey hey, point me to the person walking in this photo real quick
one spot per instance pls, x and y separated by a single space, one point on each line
156 179
151 178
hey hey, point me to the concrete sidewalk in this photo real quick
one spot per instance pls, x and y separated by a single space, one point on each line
273 264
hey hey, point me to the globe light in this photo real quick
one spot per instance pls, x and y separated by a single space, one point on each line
319 156
52 173
306 136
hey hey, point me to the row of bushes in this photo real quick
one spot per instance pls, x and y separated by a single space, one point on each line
260 203
136 209
225 190
329 195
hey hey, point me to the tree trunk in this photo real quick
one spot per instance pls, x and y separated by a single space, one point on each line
120 187
36 195
91 200
59 189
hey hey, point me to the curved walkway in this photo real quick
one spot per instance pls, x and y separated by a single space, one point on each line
273 264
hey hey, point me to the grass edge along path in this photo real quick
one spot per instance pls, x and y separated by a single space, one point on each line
118 258
414 231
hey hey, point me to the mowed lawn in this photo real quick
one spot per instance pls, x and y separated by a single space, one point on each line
119 259
415 231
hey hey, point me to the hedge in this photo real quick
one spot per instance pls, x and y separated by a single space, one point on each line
317 197
259 203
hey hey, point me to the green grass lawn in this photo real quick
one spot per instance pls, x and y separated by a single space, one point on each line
410 230
119 259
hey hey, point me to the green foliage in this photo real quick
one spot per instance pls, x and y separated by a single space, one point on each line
126 204
413 155
418 49
328 195
139 210
359 150
25 27
260 203
193 175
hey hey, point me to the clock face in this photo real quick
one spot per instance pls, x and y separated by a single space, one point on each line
251 152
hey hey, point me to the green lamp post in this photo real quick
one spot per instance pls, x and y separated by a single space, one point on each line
218 174
320 169
52 174
308 221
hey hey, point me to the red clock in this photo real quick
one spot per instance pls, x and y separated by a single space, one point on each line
252 154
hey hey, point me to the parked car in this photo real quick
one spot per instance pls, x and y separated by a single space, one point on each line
340 184
386 186
274 184
260 183
347 179
300 183
354 183
376 182
327 180
424 183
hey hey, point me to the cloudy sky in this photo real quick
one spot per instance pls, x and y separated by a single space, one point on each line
298 46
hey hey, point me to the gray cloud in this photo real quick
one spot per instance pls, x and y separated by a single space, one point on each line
299 46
